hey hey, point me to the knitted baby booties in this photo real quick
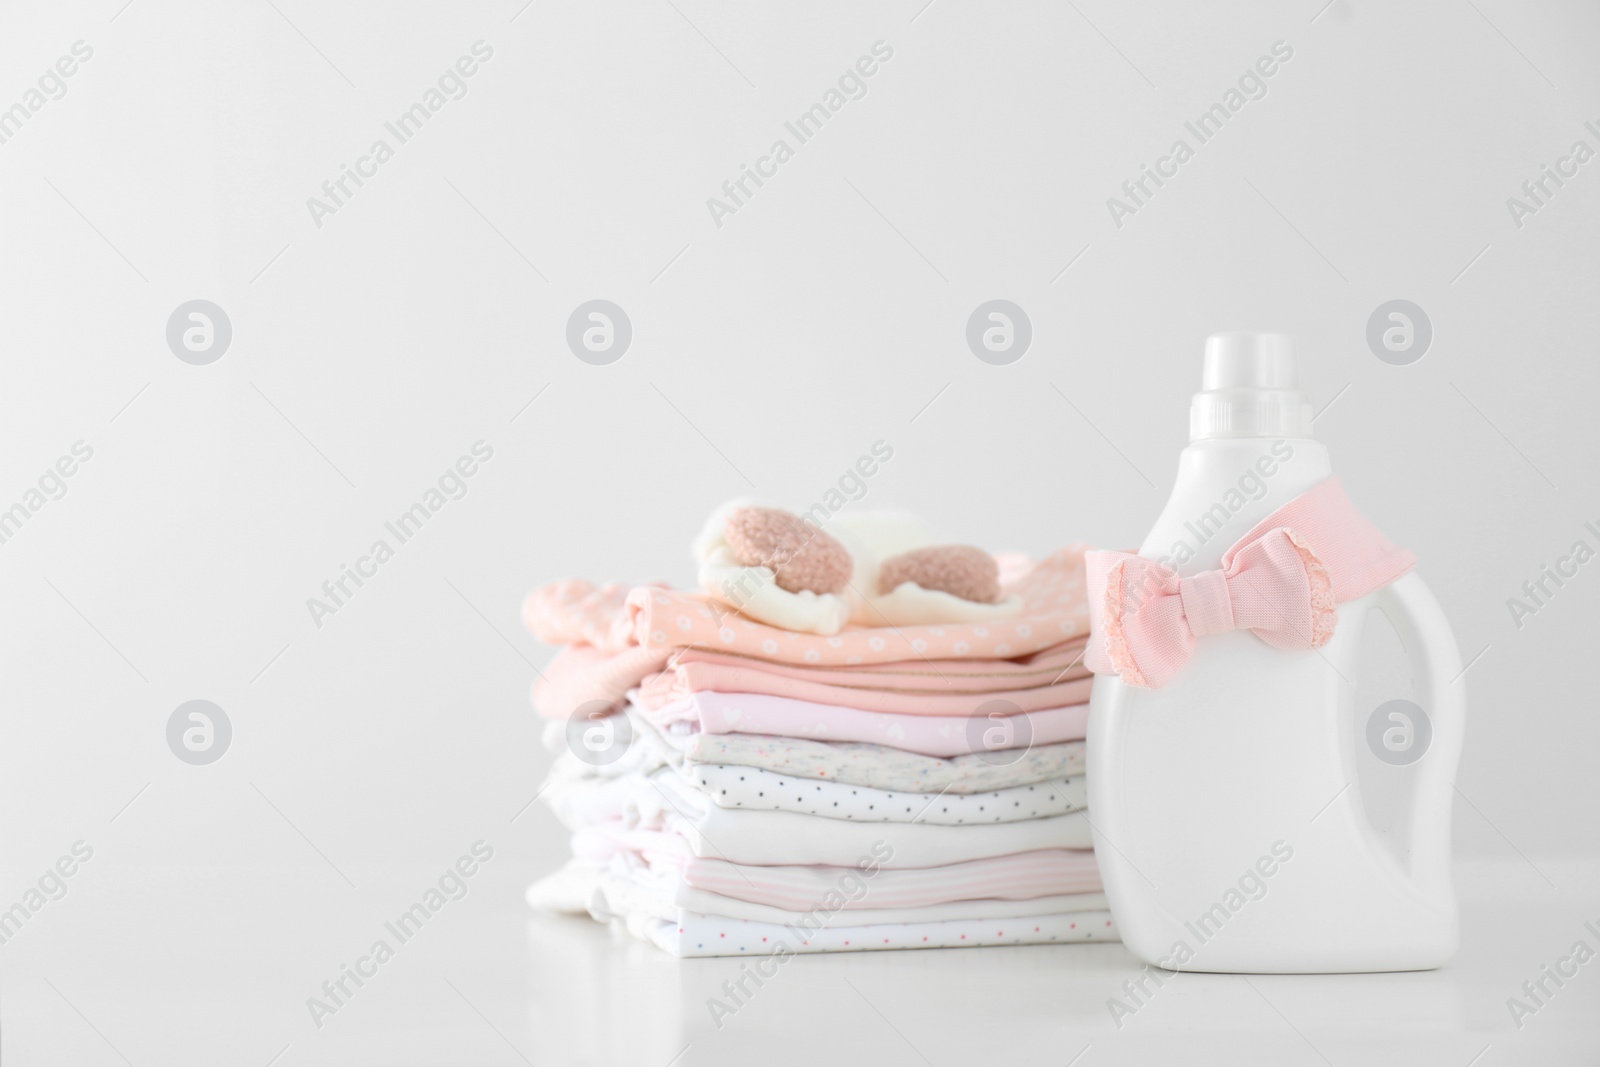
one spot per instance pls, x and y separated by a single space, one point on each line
873 569
803 557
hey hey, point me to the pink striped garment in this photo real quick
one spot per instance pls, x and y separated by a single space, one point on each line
1020 876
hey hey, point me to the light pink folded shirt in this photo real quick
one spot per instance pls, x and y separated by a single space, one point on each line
686 679
943 736
1053 678
1017 876
581 674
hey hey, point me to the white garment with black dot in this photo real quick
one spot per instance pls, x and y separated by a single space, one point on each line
711 935
755 789
882 767
764 838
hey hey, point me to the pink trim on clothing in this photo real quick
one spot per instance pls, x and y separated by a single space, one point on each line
1117 652
1324 610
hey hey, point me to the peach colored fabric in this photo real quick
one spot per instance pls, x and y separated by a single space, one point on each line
1060 663
581 674
1054 610
683 679
578 612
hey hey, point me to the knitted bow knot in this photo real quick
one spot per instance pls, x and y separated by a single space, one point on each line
1281 581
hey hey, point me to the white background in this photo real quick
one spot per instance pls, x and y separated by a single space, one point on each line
767 355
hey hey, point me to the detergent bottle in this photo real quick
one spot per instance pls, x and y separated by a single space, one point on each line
1228 814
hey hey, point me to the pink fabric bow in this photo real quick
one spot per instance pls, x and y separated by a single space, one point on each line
1281 581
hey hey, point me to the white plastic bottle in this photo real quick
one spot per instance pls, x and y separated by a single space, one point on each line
1228 820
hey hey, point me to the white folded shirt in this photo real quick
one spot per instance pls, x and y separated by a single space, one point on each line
668 900
696 935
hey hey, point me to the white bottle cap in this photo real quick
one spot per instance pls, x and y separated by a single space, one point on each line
1250 389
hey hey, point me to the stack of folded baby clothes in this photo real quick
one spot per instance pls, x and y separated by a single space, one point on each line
846 739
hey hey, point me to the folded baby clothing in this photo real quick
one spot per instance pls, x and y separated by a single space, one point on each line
882 767
848 738
1018 876
636 633
621 895
1059 661
753 789
683 679
712 712
664 800
695 935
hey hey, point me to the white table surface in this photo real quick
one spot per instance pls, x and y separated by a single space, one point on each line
146 965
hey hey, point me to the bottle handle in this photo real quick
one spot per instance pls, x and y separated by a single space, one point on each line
1420 622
